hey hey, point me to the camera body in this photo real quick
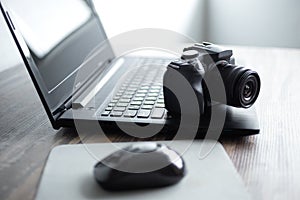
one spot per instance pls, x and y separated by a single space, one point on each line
202 66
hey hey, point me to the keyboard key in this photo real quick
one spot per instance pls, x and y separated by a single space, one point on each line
150 98
147 107
158 113
134 107
143 113
138 99
157 84
105 113
119 93
119 108
111 104
160 105
160 101
135 83
137 86
153 94
117 97
145 84
122 104
142 91
140 95
116 114
155 87
138 103
127 96
130 113
154 91
129 93
114 101
144 87
133 89
125 100
149 102
108 109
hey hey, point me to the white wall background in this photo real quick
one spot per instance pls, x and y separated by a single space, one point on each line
120 16
254 22
237 22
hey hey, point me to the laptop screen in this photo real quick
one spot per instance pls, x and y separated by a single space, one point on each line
60 34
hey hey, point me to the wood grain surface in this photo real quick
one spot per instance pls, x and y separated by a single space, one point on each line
268 163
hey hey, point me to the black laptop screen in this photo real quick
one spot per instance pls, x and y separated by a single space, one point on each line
59 34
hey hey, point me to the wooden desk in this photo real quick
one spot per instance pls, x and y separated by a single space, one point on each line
269 162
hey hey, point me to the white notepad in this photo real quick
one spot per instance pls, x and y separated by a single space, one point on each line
68 175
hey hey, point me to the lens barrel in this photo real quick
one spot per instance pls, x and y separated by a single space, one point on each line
242 85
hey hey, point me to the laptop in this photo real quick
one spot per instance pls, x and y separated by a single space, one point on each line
56 40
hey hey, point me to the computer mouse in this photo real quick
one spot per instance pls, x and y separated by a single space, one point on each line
139 166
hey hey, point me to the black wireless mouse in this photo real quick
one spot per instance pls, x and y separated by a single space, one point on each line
138 166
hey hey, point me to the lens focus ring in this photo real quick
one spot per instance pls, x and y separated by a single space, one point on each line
242 85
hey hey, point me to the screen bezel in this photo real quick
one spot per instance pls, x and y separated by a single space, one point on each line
53 102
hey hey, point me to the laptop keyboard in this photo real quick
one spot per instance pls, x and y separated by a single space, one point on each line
141 94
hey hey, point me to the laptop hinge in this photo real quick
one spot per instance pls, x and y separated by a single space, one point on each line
63 107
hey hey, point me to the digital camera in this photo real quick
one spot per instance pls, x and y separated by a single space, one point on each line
203 65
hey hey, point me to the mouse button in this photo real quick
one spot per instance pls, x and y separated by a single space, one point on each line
173 157
115 158
143 147
102 172
145 162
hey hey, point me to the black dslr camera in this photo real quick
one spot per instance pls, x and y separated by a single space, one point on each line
198 65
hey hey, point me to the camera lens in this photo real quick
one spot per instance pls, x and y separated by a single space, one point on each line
242 85
249 90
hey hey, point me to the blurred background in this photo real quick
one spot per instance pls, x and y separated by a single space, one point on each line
265 23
